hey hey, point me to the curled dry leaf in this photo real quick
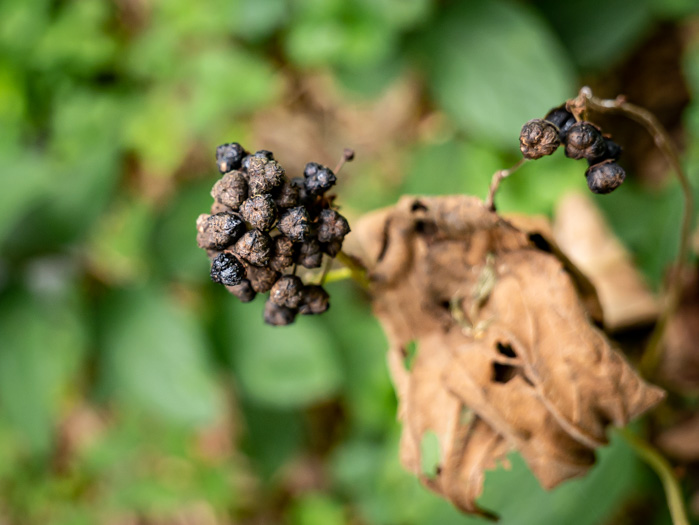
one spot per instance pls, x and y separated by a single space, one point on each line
506 354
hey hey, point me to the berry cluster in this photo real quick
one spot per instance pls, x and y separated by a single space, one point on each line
582 140
262 225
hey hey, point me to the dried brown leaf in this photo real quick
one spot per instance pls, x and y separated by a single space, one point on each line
507 356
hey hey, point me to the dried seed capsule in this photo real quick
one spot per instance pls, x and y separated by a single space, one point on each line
278 315
227 269
286 195
318 178
331 226
286 291
314 300
216 232
243 291
612 151
562 119
282 253
255 247
538 138
294 224
332 248
584 141
231 190
604 177
229 156
262 278
260 212
309 254
264 175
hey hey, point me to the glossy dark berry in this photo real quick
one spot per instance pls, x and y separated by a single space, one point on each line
584 141
264 154
229 156
255 247
259 212
562 119
231 190
278 315
286 195
538 138
283 250
612 151
604 177
286 291
262 278
216 232
243 291
227 269
263 175
314 300
318 178
331 226
309 254
294 223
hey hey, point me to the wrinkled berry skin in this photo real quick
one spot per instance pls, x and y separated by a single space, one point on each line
612 151
216 232
295 224
286 195
310 254
314 300
318 178
538 138
332 248
227 269
254 247
276 315
562 119
264 153
243 291
286 291
263 175
331 226
229 157
259 212
231 190
262 278
282 253
584 141
604 177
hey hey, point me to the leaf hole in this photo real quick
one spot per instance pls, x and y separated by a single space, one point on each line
540 242
503 373
505 349
425 227
418 206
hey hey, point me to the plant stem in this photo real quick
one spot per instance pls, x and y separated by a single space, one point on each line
663 469
495 183
652 354
340 274
357 271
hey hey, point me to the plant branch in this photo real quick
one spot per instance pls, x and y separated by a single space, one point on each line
498 176
663 469
586 100
357 270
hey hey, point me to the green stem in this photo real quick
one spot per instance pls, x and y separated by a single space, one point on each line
357 270
663 469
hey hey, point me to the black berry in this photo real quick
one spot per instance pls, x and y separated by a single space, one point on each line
255 247
286 195
263 175
259 211
331 226
612 151
294 223
562 119
584 141
604 177
218 231
227 269
231 190
286 291
262 278
278 315
243 291
264 154
318 178
309 254
538 138
314 300
282 253
332 248
229 156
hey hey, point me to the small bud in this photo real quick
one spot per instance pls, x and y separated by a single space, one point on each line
538 138
605 177
227 269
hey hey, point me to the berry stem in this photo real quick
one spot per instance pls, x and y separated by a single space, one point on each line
347 156
498 176
663 469
586 100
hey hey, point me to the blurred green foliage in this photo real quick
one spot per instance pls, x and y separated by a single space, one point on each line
118 356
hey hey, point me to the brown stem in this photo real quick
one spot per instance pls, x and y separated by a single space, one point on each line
347 156
495 183
587 100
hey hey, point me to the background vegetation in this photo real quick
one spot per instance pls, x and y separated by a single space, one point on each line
132 389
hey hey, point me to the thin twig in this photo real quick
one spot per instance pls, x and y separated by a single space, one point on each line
651 356
347 156
495 183
663 469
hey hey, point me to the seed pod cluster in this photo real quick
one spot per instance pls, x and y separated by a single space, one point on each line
581 140
262 225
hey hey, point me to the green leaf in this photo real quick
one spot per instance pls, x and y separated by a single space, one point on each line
155 357
316 509
492 66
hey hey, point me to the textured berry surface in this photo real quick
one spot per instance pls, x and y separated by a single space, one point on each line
262 278
229 156
604 177
278 315
287 291
219 231
538 138
283 250
310 254
243 291
259 212
318 178
584 141
314 300
295 224
286 195
332 226
254 247
227 269
231 190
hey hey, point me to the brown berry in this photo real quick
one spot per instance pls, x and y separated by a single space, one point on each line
259 212
314 300
231 190
243 291
216 232
262 278
604 177
254 247
309 254
584 141
278 315
538 138
286 291
294 224
331 226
